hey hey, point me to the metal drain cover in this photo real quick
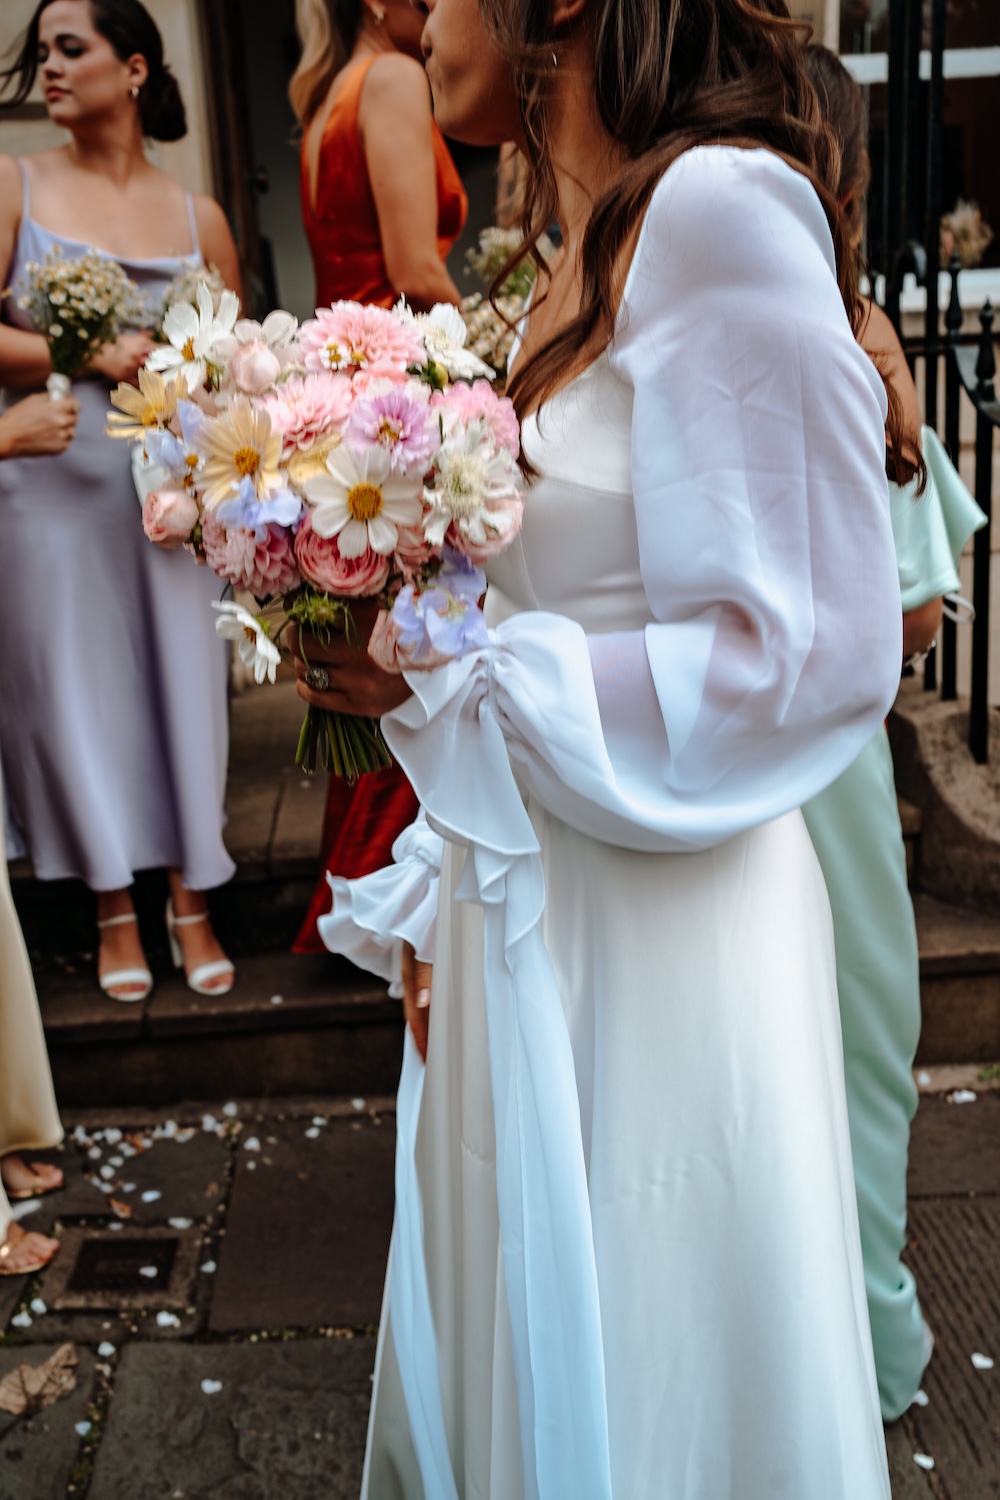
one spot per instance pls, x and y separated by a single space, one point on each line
138 1268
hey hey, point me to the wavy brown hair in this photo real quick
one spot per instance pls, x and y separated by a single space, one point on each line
669 75
843 105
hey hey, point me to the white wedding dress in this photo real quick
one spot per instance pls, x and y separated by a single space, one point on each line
697 629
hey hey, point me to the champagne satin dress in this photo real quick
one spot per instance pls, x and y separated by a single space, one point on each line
341 223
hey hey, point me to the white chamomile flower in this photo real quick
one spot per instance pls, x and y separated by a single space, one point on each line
444 333
473 482
194 335
361 502
256 648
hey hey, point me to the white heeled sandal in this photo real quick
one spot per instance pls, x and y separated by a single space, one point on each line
198 979
111 982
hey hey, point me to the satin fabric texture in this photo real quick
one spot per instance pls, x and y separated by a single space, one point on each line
638 1245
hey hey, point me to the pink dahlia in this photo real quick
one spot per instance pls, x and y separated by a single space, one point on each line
398 421
305 408
260 562
349 337
320 562
479 402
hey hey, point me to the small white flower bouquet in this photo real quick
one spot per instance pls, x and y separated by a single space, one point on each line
361 456
80 305
491 327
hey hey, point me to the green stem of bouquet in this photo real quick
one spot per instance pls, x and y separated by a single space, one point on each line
347 746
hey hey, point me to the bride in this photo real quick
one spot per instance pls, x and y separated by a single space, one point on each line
626 1261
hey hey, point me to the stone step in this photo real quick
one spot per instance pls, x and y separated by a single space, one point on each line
910 819
959 983
292 1025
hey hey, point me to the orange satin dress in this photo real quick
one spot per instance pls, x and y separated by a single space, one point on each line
362 822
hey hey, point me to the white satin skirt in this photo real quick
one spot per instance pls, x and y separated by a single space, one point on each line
700 993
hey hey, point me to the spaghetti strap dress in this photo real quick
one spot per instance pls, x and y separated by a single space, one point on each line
113 683
361 823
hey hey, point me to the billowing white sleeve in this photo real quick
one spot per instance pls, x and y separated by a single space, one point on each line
765 544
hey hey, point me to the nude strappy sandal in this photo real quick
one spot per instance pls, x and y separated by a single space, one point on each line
198 979
111 982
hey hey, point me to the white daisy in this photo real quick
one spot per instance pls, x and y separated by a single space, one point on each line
472 480
361 502
256 649
444 333
194 334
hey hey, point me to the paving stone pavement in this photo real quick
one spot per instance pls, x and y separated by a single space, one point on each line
289 1207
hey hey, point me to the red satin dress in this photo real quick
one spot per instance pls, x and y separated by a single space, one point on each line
362 822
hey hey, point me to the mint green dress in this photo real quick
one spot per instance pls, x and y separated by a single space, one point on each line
856 832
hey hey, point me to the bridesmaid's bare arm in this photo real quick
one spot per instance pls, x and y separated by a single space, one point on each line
394 119
217 245
24 357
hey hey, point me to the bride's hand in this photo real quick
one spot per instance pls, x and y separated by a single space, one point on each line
417 997
355 684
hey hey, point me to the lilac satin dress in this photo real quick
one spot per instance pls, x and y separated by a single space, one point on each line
113 683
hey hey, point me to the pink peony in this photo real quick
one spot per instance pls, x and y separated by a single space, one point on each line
349 337
254 368
260 562
169 517
305 408
398 420
320 562
479 402
413 550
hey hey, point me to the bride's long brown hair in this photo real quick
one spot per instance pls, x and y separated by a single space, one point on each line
669 75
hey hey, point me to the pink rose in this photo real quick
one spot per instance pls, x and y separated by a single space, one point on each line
413 550
320 562
494 542
169 517
388 651
254 367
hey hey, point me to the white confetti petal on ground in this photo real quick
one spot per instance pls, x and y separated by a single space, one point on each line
145 1143
251 1166
979 1361
107 1173
128 1187
80 1136
104 1187
277 999
167 1320
95 1153
150 1272
312 1133
180 1223
82 1428
357 1104
170 1129
923 1460
183 1136
39 1309
319 1119
21 1320
106 1350
921 1399
251 1144
127 1150
209 1268
962 1096
112 1136
210 1124
211 1387
151 1195
230 1109
116 1161
924 1078
115 1226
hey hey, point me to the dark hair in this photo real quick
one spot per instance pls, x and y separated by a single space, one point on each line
130 29
843 105
669 75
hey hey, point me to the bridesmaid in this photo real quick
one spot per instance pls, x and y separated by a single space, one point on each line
382 205
854 824
29 1119
113 723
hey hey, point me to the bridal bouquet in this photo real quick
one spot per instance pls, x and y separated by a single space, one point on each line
360 456
79 305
